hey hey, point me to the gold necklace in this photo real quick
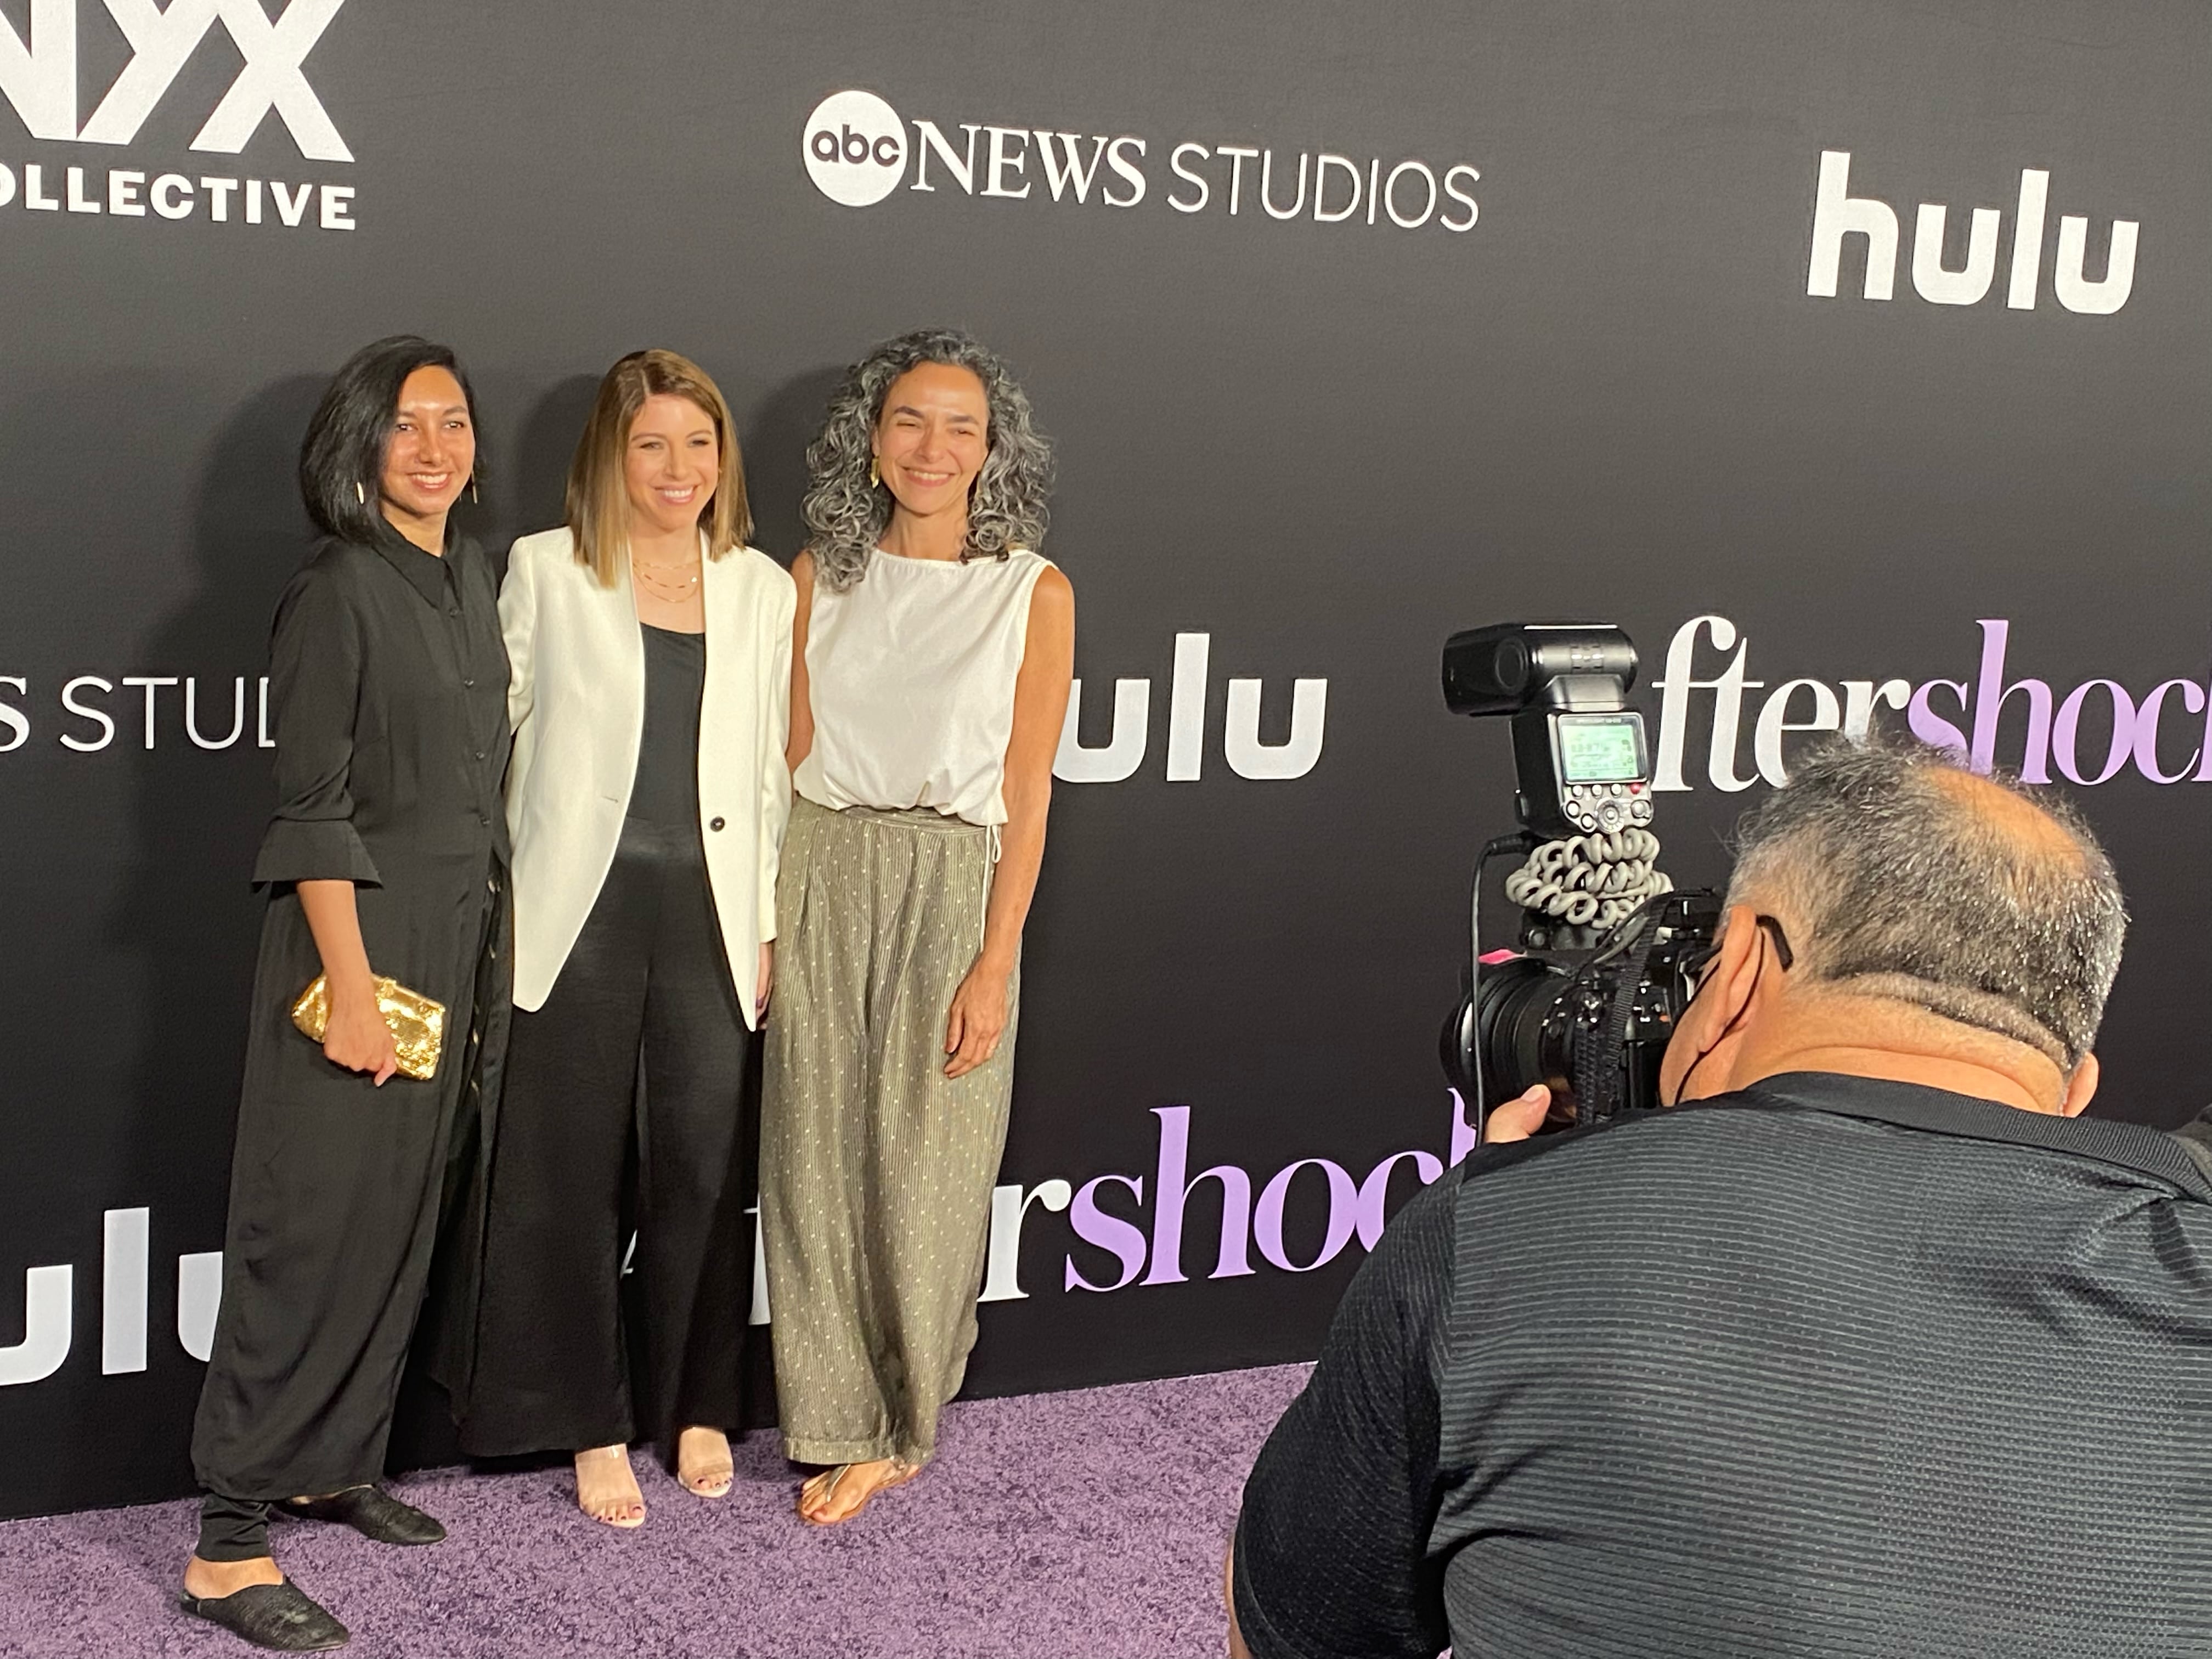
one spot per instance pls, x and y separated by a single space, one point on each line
668 590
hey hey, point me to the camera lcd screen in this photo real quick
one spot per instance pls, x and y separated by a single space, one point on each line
1599 747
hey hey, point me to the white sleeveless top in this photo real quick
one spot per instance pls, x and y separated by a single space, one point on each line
910 678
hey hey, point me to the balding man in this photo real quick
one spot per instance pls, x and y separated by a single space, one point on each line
1874 1346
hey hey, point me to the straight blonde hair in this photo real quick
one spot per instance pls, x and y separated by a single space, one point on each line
598 494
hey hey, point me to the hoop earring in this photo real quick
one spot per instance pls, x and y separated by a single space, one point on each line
360 493
875 478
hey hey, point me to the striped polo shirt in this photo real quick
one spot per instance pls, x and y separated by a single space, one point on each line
1830 1367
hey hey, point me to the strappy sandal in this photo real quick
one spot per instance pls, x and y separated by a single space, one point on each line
713 1480
902 1471
625 1523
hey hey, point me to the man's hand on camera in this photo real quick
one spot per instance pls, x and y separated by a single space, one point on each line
1517 1119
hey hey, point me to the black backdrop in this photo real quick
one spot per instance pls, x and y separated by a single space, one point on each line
1320 443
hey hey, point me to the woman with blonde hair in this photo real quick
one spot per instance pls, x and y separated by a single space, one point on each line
651 666
930 676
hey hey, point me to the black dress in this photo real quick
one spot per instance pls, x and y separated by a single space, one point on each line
638 1058
388 675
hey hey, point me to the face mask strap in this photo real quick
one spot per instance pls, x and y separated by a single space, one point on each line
1771 931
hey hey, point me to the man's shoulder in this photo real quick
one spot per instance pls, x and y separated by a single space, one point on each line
2131 1153
2195 1138
1810 1118
1792 1174
1410 1269
1424 1226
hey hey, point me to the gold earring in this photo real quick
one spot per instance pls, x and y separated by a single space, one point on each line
472 490
360 493
875 478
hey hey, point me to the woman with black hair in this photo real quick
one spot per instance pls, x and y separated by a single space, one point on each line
385 861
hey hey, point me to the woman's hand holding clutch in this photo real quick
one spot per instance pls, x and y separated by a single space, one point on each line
357 1037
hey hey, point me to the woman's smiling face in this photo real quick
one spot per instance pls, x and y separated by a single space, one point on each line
671 463
433 450
933 436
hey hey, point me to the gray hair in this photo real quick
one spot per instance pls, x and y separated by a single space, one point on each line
848 514
1909 888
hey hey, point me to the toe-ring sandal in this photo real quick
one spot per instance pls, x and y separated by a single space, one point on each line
902 1471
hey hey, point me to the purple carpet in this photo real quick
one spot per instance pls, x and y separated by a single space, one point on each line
1066 1524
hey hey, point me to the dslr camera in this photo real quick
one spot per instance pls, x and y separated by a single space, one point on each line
1608 952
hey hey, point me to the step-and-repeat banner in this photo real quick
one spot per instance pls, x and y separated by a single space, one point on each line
1855 357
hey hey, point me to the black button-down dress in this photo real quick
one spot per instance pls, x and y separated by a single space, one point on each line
389 680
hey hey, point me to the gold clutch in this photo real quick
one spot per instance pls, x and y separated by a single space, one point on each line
418 1025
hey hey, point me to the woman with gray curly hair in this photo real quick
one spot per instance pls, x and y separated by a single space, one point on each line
931 654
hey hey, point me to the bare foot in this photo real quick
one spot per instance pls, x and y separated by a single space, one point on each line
702 1462
842 1493
211 1581
607 1486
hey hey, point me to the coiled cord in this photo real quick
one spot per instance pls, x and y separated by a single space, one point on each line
1590 881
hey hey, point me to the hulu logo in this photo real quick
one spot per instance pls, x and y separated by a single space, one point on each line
1837 214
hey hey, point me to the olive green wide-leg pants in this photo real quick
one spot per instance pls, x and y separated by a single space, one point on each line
876 1171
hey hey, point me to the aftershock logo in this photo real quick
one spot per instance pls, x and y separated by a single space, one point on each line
858 150
39 79
2088 733
1312 1206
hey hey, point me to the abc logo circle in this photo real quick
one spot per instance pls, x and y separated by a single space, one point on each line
855 148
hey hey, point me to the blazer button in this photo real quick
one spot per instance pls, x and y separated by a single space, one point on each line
713 824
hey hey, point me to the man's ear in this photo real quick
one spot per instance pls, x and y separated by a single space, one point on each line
1726 988
2081 1088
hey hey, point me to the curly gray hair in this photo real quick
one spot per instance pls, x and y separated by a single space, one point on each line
847 513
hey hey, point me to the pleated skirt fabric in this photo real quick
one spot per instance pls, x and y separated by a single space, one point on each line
876 1170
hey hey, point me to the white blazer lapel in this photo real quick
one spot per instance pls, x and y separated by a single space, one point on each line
617 651
730 759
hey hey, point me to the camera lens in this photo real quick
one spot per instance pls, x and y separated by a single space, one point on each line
1513 1002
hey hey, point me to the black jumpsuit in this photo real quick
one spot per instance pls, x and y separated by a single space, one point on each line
644 1006
388 677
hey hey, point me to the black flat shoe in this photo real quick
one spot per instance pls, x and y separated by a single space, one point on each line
372 1512
280 1616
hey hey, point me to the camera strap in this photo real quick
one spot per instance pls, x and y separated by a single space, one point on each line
1597 1054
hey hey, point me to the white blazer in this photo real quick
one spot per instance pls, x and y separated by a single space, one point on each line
577 701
